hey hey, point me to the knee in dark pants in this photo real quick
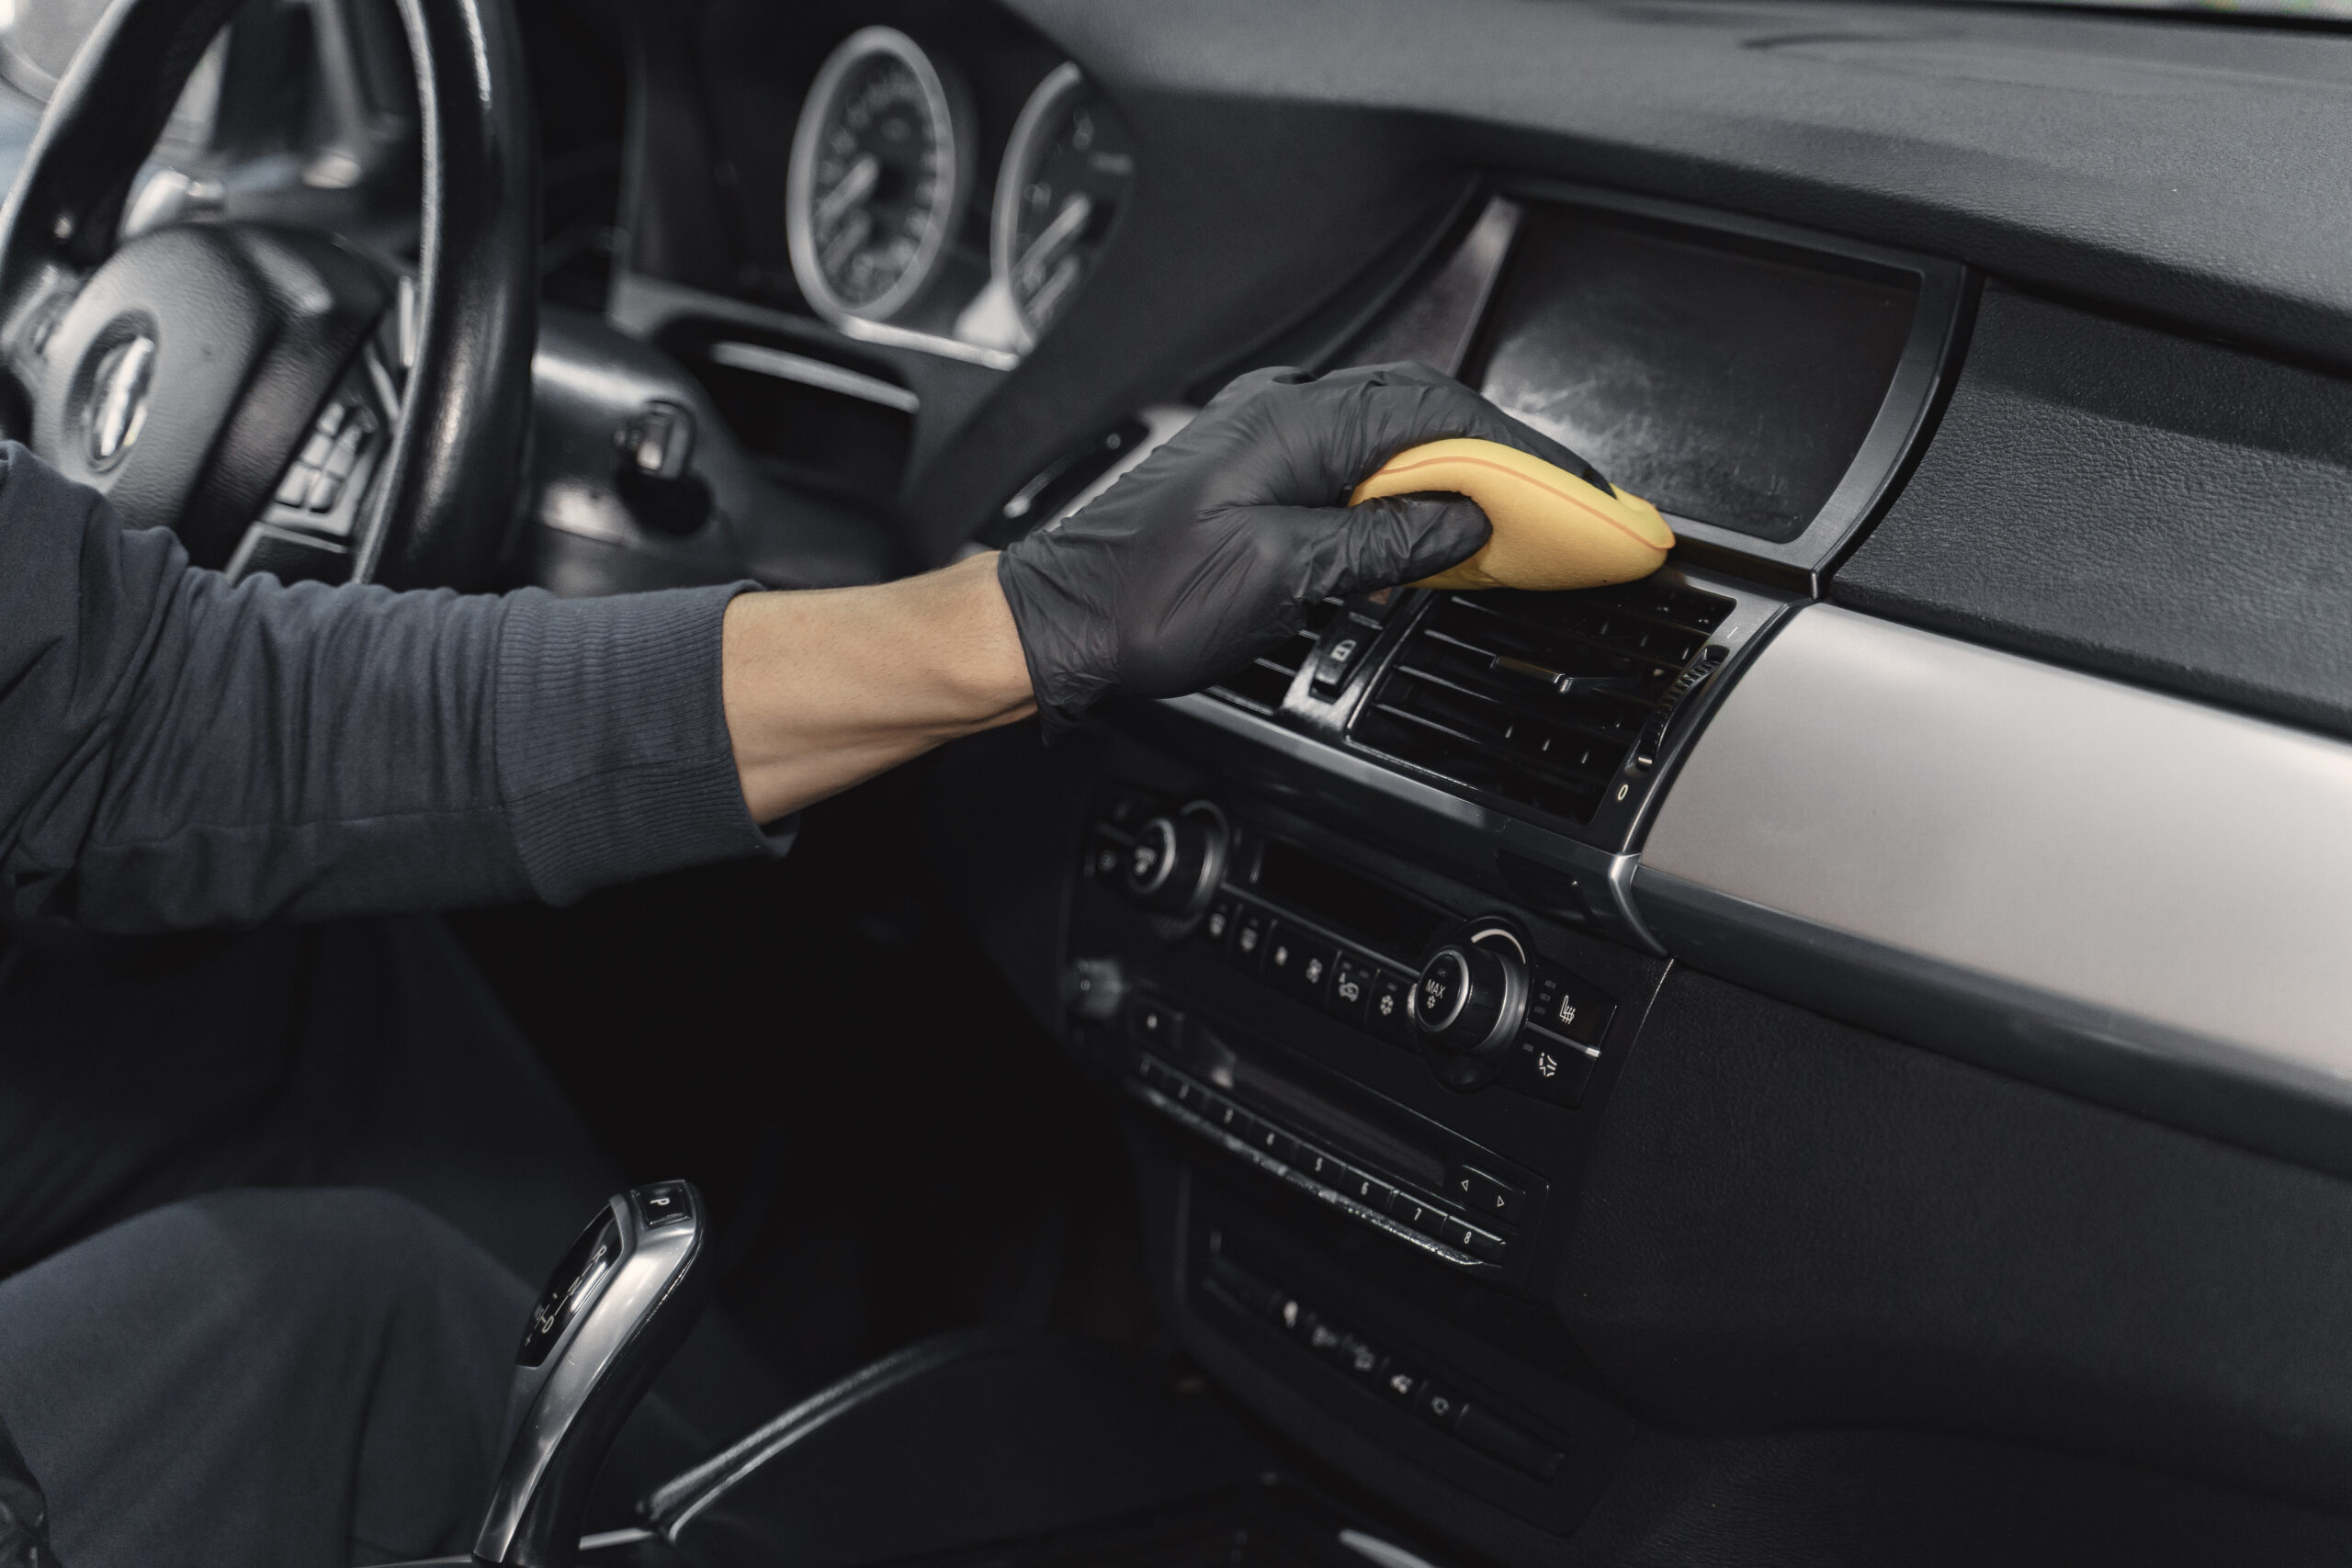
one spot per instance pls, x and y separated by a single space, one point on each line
299 1376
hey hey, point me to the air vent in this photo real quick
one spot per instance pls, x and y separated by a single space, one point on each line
1262 687
1538 698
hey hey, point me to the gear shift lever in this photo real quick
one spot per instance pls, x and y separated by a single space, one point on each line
612 1312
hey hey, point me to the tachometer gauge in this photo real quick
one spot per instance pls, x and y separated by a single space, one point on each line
1066 174
878 177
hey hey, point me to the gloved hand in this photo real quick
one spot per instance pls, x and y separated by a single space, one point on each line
1210 551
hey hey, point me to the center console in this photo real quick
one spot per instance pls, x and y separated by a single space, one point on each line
1352 936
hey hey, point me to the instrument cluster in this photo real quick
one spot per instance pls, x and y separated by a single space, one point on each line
885 202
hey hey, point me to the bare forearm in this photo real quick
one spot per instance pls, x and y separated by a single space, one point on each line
825 688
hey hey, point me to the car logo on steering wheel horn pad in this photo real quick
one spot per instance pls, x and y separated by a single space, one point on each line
116 407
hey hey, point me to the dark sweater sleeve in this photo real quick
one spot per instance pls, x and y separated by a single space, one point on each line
179 752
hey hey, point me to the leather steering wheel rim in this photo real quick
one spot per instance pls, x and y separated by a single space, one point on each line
444 497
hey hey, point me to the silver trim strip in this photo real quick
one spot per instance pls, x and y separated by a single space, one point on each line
2103 867
763 361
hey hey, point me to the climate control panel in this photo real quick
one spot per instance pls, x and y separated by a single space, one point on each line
1468 1008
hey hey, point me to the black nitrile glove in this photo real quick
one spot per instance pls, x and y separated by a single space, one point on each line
1210 551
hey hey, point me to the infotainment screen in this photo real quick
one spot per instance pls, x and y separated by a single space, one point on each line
1726 384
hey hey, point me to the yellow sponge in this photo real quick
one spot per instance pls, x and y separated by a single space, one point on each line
1552 529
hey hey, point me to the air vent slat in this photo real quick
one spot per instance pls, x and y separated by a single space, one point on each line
1536 698
1266 681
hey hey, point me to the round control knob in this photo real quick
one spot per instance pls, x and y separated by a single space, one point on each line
1468 998
1176 862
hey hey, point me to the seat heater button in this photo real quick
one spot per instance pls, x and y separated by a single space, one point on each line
1217 925
1401 1383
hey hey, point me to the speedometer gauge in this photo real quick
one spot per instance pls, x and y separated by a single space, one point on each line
878 180
1064 178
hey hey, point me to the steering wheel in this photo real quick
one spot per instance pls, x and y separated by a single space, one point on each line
265 390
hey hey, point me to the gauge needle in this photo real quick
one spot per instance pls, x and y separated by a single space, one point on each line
845 241
855 187
1029 273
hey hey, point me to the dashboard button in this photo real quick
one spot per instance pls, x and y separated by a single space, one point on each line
1104 857
1298 964
1438 1404
1549 1068
1249 947
1271 1140
1352 982
1401 1383
1368 1190
1322 1167
1484 1245
1485 1196
1406 1209
1389 1015
1216 926
1568 1004
1156 1025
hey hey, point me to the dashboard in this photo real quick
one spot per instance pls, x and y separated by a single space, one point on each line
1873 989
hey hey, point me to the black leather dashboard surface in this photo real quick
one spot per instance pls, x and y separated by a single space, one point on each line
2119 499
2194 171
